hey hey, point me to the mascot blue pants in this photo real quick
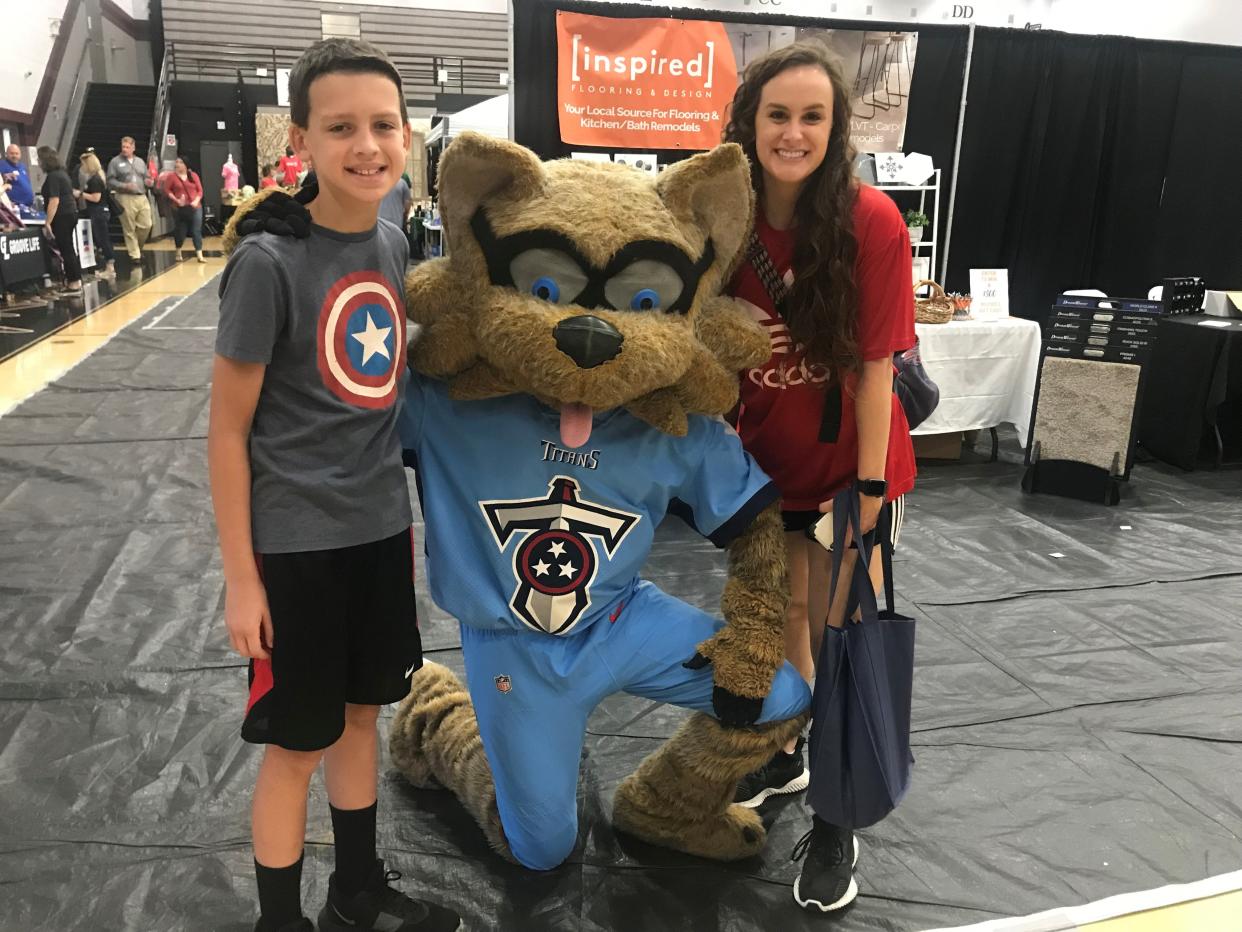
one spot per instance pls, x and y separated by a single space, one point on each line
533 694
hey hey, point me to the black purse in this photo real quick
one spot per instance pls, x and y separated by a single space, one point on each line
917 393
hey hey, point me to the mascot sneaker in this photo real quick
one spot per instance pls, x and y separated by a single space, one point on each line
784 773
379 906
826 882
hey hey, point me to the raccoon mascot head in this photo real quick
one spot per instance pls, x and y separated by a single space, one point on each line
588 285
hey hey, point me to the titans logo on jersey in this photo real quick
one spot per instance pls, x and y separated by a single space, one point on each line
361 340
555 562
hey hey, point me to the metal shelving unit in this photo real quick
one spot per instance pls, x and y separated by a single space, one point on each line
926 243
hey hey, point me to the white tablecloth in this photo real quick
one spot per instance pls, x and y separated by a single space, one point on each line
986 372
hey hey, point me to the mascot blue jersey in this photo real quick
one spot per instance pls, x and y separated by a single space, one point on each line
525 533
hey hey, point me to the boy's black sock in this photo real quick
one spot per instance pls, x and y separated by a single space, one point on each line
280 893
354 831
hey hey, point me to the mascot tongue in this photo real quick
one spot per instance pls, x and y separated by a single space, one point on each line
575 424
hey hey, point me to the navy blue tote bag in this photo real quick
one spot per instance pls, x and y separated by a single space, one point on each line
860 757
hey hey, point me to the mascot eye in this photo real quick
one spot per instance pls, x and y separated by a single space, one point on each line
644 300
547 274
546 288
645 285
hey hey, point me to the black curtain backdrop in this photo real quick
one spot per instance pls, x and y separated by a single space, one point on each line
931 118
1098 162
1199 226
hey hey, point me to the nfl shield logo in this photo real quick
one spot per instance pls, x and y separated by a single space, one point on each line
503 683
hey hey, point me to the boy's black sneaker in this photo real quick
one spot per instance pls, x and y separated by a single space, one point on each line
826 881
298 925
784 773
378 906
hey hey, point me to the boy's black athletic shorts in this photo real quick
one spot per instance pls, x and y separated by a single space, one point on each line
345 627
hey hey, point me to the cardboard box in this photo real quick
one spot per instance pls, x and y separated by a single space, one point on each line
938 446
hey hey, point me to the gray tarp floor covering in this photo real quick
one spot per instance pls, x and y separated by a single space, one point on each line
1078 718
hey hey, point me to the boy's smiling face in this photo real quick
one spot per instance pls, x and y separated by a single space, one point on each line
355 136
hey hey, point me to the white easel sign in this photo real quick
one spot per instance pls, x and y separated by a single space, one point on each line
989 293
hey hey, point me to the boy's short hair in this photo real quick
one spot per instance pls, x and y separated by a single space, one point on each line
335 55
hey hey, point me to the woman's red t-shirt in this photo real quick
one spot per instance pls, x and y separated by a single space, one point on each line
783 400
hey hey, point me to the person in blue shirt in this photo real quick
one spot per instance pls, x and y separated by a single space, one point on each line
14 172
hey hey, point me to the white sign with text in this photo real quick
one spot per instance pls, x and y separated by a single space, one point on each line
989 293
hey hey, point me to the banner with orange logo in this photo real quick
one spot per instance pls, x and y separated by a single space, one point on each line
642 83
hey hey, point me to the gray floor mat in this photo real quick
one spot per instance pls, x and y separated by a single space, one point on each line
1077 723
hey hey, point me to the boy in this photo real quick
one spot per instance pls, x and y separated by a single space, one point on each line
310 495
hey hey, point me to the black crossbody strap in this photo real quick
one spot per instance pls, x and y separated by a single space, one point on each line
778 291
762 263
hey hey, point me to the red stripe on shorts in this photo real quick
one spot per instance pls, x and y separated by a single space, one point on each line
260 683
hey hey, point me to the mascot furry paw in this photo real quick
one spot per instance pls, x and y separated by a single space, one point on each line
573 359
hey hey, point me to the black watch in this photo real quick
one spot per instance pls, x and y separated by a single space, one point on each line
872 488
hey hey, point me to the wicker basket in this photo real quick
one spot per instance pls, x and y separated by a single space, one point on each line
936 309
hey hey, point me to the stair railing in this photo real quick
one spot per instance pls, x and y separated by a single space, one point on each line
162 111
73 110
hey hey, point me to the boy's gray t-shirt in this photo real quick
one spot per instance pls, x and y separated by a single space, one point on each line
326 314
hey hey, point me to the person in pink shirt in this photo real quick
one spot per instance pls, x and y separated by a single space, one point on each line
185 193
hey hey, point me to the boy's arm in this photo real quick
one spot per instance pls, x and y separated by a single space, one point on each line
235 390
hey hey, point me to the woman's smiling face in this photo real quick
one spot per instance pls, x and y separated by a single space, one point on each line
793 123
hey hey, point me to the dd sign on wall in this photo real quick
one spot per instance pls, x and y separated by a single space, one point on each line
642 83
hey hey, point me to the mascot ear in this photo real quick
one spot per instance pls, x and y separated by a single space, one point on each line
476 167
711 191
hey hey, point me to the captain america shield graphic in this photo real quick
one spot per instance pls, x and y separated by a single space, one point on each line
361 340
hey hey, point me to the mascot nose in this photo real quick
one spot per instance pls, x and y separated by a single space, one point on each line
587 340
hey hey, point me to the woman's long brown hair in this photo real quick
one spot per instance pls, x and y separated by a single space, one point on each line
822 308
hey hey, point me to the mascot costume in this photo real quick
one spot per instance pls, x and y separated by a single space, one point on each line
573 359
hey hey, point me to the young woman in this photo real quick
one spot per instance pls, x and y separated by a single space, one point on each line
62 216
829 277
185 192
94 192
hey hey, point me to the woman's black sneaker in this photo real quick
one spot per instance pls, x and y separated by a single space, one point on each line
298 925
826 881
379 906
784 773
